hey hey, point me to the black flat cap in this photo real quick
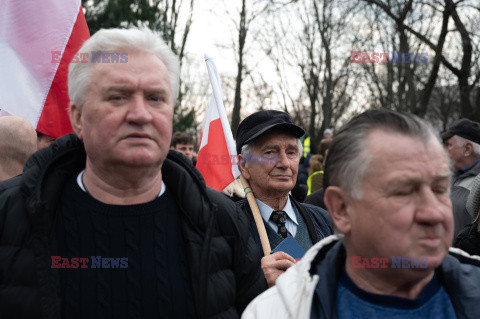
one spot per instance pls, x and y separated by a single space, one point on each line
465 128
261 122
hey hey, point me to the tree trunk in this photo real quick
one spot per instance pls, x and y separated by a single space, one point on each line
237 105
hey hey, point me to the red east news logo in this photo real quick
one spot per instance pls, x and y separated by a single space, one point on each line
382 57
216 159
96 57
83 262
392 262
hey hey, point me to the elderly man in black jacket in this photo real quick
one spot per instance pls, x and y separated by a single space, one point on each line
103 224
462 142
270 151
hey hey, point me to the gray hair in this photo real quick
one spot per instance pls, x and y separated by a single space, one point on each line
348 158
115 40
476 147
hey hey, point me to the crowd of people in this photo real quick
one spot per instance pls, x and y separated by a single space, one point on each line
114 220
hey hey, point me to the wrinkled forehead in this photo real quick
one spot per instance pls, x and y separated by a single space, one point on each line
275 137
130 59
142 69
455 140
388 147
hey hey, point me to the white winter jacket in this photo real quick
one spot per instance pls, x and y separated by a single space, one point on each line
291 297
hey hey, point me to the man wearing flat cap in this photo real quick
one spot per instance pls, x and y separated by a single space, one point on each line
269 151
462 142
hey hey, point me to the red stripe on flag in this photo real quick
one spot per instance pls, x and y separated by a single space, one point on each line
54 120
214 159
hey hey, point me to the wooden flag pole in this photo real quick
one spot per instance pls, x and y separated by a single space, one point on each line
262 232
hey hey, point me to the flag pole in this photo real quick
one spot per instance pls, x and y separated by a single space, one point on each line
262 232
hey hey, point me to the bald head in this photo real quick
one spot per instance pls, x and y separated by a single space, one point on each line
18 140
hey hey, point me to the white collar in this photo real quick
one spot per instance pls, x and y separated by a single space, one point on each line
266 210
82 186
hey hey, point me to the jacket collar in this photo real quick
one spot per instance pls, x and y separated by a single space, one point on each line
47 170
472 170
460 275
296 287
189 190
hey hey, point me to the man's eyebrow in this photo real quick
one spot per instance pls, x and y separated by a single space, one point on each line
404 181
156 91
119 88
128 88
277 147
267 147
443 176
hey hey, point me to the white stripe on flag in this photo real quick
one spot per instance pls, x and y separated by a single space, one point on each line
218 104
29 32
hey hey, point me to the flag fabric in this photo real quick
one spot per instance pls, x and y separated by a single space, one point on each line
217 154
37 41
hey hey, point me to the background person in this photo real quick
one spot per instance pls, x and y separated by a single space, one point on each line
43 140
270 150
300 191
328 133
183 143
317 196
469 237
315 174
462 142
17 142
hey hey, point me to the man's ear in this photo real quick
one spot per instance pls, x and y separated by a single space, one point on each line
338 202
242 165
468 149
75 114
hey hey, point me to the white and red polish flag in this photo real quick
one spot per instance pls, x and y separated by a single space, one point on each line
37 41
217 153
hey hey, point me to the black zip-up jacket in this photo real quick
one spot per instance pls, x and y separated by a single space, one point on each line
223 265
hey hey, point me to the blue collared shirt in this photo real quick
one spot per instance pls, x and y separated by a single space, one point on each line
291 223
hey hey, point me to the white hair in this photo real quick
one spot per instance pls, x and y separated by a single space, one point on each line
115 40
476 147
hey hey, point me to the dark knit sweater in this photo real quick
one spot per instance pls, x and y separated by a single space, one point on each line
155 282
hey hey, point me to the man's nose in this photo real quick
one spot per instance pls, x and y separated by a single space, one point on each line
430 209
282 159
138 111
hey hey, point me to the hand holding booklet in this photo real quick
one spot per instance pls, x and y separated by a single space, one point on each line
290 246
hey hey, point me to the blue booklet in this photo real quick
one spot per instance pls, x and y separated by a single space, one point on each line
290 246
